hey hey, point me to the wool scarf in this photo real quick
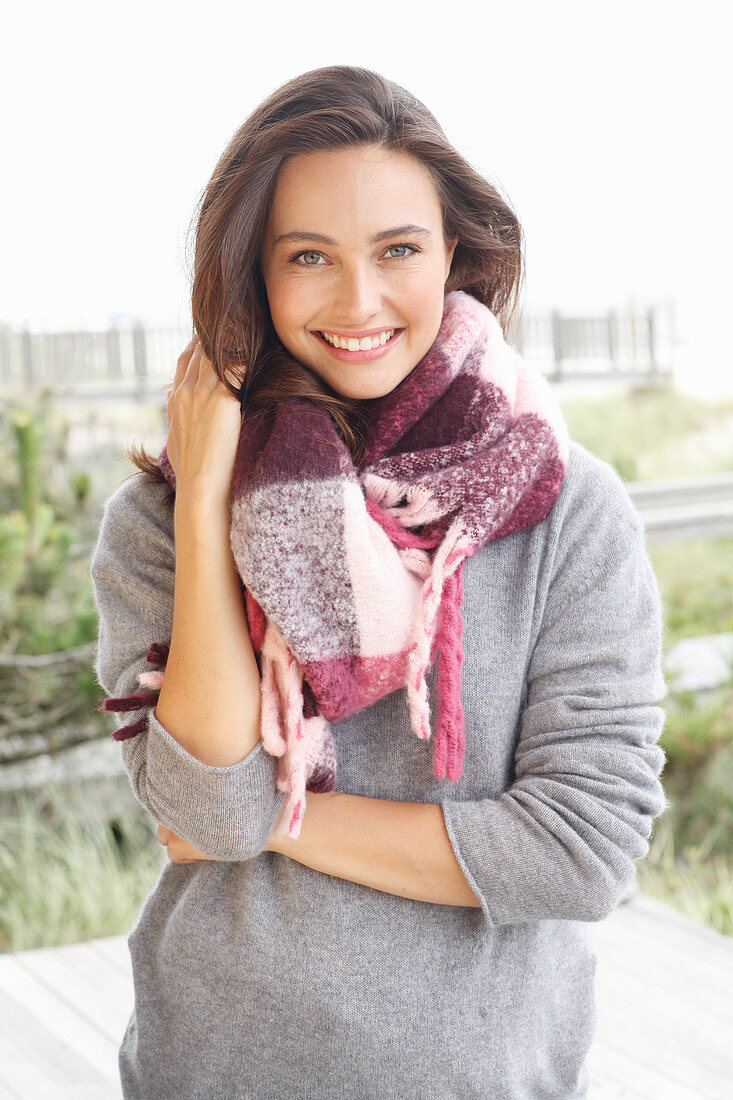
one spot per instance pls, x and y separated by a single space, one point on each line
352 575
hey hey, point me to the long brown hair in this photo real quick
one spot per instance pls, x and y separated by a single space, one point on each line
335 106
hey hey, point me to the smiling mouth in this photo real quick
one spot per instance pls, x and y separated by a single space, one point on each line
362 355
356 344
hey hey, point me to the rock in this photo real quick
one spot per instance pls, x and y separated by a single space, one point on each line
699 664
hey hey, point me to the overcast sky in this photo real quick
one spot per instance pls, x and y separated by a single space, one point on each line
606 124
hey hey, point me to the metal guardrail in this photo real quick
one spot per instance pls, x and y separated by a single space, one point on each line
681 509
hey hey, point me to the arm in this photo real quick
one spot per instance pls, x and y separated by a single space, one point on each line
399 847
561 842
210 697
229 811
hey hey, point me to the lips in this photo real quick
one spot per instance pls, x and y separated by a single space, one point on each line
370 335
360 356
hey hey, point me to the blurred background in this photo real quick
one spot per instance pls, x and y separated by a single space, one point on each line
602 123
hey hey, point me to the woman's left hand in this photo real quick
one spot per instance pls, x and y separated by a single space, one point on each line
179 850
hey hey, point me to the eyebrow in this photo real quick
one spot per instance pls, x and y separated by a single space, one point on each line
302 235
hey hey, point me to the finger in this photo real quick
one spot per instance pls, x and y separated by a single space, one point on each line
184 360
186 375
193 367
206 374
180 851
184 357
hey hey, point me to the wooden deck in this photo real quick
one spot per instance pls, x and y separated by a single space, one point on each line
665 1013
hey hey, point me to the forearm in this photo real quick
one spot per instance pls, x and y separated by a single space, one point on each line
210 697
400 848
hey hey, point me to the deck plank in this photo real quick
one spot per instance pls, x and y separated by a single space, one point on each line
663 1031
87 983
59 1024
36 1063
669 974
676 949
116 952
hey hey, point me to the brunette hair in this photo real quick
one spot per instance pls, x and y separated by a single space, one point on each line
332 107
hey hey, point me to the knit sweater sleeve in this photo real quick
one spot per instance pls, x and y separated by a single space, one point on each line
561 841
228 813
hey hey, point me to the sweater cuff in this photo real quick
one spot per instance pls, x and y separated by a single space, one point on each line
453 830
227 813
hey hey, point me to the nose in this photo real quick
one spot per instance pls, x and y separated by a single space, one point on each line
358 295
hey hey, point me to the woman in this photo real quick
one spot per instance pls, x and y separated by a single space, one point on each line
362 467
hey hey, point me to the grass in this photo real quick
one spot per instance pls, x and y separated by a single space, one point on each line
690 861
68 874
695 881
654 432
696 583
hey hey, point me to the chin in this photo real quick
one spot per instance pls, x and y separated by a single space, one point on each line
368 392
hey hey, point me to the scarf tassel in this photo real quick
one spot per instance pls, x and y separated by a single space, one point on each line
441 609
450 741
157 655
304 745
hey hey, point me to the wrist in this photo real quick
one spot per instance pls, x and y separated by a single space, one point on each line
200 507
272 844
315 818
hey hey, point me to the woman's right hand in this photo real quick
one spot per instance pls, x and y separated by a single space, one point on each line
204 422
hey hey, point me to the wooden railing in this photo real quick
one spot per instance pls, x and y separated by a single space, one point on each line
680 509
621 343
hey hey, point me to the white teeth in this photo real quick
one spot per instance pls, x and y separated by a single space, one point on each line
352 344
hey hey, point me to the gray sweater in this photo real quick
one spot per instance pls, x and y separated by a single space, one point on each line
395 997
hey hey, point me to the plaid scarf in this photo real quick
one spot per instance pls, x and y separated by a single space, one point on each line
353 575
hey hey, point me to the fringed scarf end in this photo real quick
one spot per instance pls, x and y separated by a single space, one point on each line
157 655
441 613
125 732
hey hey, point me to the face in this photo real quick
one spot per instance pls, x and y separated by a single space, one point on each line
354 250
